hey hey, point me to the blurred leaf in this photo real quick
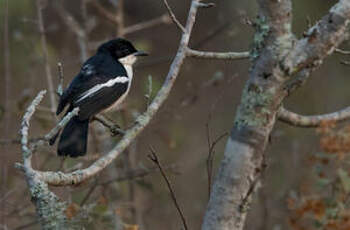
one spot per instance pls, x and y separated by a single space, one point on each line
344 179
72 210
322 182
100 209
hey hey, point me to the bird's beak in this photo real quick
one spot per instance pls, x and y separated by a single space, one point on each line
140 53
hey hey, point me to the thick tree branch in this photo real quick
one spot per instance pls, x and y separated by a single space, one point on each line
59 178
241 167
320 41
298 120
217 55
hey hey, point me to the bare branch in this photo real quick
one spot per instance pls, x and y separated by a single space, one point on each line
165 18
173 17
60 79
46 57
104 12
217 55
154 158
136 173
75 27
312 121
211 152
7 67
320 41
345 52
113 128
59 178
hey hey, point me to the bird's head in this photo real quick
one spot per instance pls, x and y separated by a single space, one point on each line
122 50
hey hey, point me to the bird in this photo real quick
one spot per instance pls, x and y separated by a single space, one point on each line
102 84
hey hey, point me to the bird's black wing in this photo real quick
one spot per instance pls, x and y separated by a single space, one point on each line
99 84
100 100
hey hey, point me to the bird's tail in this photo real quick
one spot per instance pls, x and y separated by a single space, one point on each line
73 141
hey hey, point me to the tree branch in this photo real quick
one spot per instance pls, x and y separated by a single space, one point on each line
46 57
320 41
173 17
147 24
312 121
75 27
217 55
154 158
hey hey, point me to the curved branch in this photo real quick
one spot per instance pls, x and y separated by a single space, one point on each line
217 55
314 120
59 178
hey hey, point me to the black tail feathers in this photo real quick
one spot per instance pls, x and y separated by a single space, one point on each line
73 140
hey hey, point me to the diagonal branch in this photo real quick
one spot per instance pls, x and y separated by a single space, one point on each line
173 17
217 55
147 24
320 41
154 158
303 121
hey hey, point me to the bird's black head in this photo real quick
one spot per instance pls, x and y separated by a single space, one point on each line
119 48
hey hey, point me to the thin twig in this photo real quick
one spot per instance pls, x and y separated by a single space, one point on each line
104 12
153 157
211 153
137 173
173 17
163 19
113 128
88 194
46 57
60 79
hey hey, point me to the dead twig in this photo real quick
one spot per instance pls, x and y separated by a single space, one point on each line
173 17
211 153
153 157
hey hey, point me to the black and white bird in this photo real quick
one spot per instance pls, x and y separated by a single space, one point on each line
102 84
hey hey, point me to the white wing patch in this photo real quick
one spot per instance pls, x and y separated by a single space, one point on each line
96 88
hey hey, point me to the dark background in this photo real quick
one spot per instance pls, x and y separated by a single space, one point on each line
178 131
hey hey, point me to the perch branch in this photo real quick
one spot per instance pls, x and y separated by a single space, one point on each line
312 121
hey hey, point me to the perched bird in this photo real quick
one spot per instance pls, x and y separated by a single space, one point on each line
102 83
